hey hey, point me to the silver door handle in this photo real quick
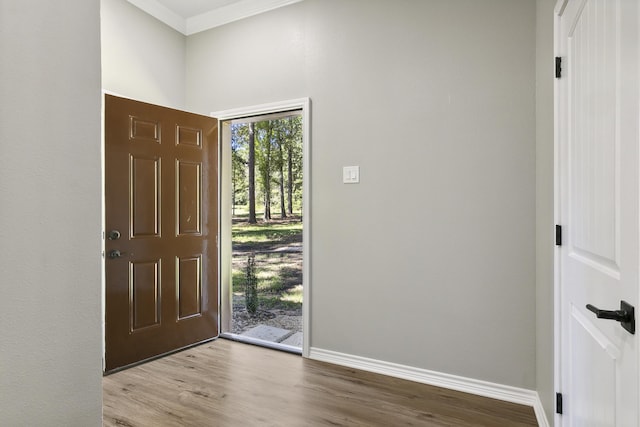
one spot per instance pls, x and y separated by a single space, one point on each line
115 254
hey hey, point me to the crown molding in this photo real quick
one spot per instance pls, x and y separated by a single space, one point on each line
232 12
211 19
162 13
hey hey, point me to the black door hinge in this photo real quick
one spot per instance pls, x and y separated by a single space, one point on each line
558 67
559 403
558 235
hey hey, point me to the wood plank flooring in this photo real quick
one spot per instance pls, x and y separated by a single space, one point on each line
225 383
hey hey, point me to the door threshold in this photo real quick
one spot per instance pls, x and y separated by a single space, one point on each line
261 343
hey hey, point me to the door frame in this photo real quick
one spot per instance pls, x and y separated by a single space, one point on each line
557 301
224 215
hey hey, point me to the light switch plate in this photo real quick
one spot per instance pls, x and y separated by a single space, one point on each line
351 174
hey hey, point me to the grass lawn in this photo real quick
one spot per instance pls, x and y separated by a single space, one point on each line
276 246
273 233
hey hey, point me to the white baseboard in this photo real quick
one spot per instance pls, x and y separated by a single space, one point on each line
467 385
541 416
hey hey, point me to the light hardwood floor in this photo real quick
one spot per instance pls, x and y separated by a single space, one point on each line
225 383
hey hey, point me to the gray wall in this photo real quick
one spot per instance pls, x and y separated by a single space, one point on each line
430 260
50 350
440 119
142 58
544 204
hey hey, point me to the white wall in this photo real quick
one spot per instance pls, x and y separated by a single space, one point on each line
544 204
142 58
430 260
50 358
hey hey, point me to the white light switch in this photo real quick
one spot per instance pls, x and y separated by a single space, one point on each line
351 174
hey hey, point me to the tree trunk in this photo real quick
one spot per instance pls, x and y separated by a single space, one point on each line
233 198
252 174
283 210
290 178
267 173
267 204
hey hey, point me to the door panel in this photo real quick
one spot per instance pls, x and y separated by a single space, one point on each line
592 374
188 198
598 204
145 192
189 287
161 195
144 288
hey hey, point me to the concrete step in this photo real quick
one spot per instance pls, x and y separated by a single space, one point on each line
268 333
294 340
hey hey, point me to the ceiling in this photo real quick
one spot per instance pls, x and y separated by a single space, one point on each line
192 16
189 8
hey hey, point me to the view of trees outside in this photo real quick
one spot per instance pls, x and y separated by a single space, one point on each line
267 167
267 223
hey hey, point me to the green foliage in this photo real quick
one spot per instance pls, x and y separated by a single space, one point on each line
239 154
251 286
278 160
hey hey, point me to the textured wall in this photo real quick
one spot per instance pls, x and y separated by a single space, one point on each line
50 350
544 204
142 58
430 260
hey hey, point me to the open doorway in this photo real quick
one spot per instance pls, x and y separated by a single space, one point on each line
264 225
266 232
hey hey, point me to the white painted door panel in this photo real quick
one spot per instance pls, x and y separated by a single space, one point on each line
598 208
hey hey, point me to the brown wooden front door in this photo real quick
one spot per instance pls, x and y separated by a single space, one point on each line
161 225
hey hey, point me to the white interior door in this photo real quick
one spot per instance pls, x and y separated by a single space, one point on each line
597 132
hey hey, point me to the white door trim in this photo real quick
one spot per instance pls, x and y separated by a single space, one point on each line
303 104
557 313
